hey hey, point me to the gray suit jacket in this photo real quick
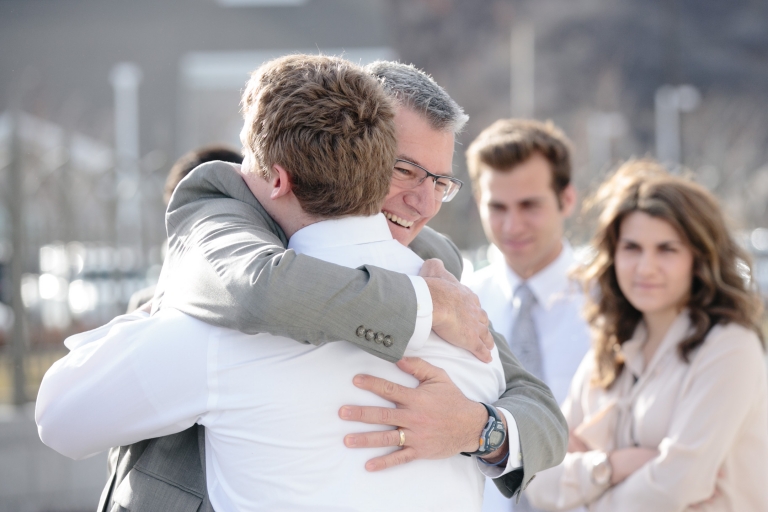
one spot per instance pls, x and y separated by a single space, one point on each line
221 235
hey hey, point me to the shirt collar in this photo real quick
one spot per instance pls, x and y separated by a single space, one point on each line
353 230
549 283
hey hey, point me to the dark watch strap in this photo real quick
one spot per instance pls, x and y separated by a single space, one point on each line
493 427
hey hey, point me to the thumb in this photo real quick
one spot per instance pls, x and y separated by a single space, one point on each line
433 267
419 368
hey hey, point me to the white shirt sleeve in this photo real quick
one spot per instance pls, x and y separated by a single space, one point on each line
515 459
423 313
136 378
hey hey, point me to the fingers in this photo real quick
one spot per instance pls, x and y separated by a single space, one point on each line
395 458
373 439
374 415
575 444
487 339
385 389
433 268
481 351
420 369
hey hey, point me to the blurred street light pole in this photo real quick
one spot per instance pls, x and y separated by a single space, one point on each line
125 78
602 129
670 102
523 65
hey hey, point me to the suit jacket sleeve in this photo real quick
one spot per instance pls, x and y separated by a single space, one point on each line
245 279
540 423
541 426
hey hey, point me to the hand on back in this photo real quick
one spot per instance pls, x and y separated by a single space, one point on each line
456 313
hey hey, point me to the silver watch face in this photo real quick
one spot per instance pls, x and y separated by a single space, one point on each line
496 438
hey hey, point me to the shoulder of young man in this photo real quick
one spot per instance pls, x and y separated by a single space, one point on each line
431 244
216 189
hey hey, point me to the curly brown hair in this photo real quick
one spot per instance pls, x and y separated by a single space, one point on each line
720 293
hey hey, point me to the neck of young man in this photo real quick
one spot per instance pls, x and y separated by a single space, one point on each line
286 210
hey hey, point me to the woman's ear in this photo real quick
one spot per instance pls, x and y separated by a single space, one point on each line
280 182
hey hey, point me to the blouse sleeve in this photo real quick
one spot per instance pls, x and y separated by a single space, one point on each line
714 402
570 484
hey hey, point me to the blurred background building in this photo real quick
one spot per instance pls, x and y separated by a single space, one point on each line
98 98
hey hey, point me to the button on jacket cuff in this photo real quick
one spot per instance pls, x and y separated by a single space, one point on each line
515 459
423 313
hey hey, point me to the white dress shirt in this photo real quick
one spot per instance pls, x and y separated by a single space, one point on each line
562 331
274 440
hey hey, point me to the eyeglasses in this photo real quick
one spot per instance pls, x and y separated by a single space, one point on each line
410 175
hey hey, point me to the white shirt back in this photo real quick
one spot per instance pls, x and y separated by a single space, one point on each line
274 438
270 405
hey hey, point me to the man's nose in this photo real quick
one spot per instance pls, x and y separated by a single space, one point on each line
422 198
513 222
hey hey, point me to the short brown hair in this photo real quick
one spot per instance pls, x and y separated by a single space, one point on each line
719 293
329 124
510 142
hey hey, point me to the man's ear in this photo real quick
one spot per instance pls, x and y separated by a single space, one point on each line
280 182
568 200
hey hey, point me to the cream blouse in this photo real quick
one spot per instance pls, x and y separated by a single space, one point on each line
708 419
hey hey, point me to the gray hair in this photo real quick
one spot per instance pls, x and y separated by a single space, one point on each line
414 89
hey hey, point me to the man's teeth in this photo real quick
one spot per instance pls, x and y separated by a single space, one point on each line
397 220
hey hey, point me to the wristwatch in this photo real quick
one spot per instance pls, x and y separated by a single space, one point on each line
493 435
601 469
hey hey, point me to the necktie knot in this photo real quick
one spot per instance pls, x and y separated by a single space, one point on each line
524 297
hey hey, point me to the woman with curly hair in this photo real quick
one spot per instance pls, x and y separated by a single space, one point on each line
669 411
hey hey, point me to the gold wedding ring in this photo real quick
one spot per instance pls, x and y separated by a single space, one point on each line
402 437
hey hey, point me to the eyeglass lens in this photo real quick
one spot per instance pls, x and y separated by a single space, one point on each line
410 175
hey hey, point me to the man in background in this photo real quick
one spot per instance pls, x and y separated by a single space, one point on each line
521 178
178 172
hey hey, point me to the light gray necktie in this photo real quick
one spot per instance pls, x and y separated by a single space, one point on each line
524 340
524 343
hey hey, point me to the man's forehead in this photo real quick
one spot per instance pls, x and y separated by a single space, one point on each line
422 144
506 187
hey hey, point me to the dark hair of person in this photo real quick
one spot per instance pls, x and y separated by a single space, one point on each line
508 143
189 161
